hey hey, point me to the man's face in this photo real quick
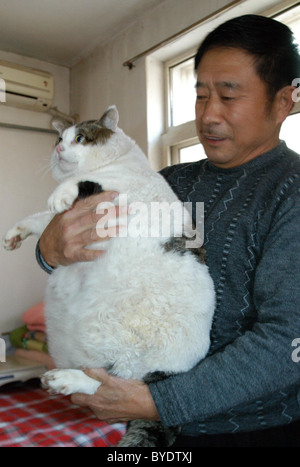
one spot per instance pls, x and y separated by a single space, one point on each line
235 121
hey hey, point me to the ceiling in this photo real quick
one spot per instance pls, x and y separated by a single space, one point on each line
64 31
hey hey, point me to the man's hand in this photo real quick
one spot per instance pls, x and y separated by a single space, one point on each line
64 240
117 399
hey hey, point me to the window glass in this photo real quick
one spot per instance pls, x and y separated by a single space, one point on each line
290 132
192 153
182 92
292 19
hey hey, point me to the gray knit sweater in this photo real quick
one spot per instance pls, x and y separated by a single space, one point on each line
249 380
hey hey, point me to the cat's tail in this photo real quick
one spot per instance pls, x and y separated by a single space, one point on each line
147 433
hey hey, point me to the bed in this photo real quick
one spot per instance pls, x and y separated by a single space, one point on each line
30 417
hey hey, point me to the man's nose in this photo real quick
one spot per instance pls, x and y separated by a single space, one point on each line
212 111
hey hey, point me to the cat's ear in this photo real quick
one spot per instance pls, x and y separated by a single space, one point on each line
110 118
60 125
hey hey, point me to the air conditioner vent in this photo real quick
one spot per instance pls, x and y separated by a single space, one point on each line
26 87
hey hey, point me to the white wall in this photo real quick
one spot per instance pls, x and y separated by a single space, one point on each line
25 187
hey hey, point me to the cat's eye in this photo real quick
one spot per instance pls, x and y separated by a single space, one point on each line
79 138
59 140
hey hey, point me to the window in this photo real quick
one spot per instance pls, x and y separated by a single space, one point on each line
187 152
291 18
290 132
180 141
182 92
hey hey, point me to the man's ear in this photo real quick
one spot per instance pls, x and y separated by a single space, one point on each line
284 102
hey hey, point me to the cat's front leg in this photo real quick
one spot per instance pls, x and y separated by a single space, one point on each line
69 381
31 225
63 196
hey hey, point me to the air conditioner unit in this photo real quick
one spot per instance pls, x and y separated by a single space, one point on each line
26 87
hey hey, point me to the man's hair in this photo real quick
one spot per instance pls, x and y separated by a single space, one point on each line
272 44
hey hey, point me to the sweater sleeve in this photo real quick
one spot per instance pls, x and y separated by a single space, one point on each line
259 362
40 260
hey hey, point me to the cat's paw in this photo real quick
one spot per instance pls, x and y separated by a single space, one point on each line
15 236
69 382
63 197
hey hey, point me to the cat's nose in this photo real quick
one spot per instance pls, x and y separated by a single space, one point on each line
59 148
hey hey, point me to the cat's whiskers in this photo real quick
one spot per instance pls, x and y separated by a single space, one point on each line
43 170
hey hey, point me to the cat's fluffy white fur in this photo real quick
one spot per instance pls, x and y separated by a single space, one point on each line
138 308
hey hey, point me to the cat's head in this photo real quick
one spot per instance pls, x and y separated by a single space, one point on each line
89 145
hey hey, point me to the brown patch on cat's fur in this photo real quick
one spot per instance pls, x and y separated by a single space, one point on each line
93 133
178 245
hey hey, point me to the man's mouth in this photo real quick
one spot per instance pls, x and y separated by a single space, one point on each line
214 139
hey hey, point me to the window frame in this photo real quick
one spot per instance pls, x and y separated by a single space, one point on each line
175 150
176 137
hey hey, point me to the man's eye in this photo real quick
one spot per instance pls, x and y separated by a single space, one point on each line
201 98
227 98
79 138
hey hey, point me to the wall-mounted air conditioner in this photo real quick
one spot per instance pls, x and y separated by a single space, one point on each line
26 87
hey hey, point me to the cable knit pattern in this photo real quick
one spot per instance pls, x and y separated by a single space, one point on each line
248 381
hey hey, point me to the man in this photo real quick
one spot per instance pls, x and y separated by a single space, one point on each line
246 392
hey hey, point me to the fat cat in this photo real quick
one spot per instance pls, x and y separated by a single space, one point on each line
142 309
